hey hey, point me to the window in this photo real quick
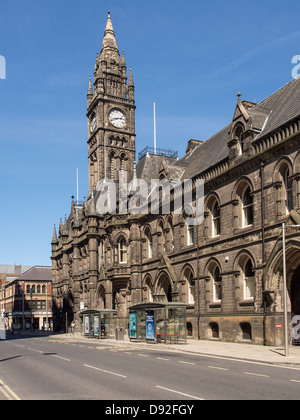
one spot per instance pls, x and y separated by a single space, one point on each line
189 286
217 284
112 166
123 251
213 218
249 280
246 330
216 220
43 289
190 235
247 207
287 190
149 244
38 289
239 136
28 288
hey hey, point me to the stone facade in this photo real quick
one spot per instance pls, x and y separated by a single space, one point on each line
229 268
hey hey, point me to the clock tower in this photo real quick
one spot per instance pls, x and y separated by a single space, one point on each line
111 115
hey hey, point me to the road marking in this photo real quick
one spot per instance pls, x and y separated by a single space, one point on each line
59 357
105 371
186 363
127 352
216 367
162 358
143 355
256 374
8 393
37 351
180 393
294 380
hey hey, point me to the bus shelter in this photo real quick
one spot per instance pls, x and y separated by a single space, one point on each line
98 323
158 322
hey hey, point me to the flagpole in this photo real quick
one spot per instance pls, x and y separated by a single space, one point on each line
154 127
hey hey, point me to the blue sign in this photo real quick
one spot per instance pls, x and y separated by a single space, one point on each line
150 333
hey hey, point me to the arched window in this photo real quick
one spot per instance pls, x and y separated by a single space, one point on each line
217 286
190 235
28 288
161 237
112 166
149 243
213 218
249 280
122 251
101 298
247 207
238 134
44 289
38 289
189 286
216 219
148 294
287 189
122 163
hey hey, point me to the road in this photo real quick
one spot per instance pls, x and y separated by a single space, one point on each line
47 368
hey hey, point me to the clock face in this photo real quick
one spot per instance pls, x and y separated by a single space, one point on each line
117 118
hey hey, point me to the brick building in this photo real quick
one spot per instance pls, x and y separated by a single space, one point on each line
27 300
228 269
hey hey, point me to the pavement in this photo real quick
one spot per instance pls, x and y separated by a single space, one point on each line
214 348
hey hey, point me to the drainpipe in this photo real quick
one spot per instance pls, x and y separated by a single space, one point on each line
198 285
262 180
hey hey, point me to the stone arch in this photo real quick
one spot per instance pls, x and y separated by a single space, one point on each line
148 288
163 288
274 278
101 300
187 280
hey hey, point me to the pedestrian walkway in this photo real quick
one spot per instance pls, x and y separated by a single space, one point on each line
241 351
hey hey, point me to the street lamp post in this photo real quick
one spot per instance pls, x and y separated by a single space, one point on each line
286 328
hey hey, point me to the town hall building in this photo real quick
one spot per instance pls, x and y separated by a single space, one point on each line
227 270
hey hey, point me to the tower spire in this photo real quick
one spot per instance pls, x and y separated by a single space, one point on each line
109 39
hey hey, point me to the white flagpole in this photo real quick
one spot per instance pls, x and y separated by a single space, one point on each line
154 128
77 185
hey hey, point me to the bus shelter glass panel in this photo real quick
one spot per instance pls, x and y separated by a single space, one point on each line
175 324
160 324
99 325
141 315
108 326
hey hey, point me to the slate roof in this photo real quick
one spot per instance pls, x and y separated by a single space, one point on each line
277 110
37 273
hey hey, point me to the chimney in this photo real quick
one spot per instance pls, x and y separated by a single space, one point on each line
192 144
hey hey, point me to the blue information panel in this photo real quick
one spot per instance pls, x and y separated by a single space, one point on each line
132 325
150 325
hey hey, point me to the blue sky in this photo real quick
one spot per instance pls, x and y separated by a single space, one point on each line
191 58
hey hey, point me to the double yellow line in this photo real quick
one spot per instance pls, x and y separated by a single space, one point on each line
8 393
